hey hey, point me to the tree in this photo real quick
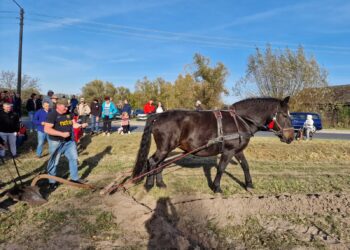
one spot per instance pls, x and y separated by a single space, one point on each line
8 80
279 74
211 81
157 90
94 89
184 87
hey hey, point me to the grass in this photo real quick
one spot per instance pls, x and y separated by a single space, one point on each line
318 166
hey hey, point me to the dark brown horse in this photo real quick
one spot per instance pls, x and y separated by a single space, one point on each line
189 130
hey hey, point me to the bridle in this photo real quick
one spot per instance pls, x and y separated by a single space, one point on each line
280 130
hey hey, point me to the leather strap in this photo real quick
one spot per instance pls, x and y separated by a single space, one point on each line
220 138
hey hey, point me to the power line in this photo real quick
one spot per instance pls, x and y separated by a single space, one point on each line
110 29
193 36
6 11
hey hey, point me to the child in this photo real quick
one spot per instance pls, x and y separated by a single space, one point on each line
125 123
78 132
309 126
21 135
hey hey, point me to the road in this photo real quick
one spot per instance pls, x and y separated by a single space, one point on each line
331 134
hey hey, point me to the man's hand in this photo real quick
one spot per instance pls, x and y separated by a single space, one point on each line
43 123
84 125
65 134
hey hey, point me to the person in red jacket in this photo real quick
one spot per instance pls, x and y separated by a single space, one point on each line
149 108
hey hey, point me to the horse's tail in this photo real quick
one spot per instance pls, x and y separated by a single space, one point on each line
141 161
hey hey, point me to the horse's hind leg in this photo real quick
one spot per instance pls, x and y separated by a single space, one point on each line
224 160
244 164
153 162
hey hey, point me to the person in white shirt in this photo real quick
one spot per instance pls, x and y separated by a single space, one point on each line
159 108
308 126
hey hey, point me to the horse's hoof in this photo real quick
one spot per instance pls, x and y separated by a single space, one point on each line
217 190
148 187
250 188
161 185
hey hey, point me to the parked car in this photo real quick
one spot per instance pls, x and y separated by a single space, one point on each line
135 112
298 119
140 115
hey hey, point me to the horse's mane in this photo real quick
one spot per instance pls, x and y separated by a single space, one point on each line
256 100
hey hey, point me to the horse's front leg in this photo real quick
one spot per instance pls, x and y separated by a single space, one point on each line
244 164
159 180
224 160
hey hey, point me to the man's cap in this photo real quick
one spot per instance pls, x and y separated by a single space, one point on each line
50 91
63 101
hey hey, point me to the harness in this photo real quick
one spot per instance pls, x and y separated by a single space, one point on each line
221 138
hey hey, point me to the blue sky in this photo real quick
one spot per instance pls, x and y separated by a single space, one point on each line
69 43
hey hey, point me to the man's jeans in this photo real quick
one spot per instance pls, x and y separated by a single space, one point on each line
69 149
41 140
31 118
94 123
9 138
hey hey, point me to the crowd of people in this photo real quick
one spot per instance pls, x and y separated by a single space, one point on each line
61 123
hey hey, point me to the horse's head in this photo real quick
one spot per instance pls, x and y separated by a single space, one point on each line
280 122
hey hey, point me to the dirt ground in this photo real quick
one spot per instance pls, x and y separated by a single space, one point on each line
314 212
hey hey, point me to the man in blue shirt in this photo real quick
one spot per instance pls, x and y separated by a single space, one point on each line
39 120
73 103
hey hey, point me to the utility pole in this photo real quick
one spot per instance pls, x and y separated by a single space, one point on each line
19 74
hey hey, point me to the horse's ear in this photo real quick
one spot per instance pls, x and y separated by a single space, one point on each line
286 100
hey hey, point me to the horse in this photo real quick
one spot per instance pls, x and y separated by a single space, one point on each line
190 130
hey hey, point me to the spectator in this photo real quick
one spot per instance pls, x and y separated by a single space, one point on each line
125 123
12 96
108 112
21 135
73 103
84 111
126 107
7 97
39 120
9 126
308 126
54 99
159 108
149 108
2 99
17 105
48 99
95 115
59 126
78 132
198 105
31 108
39 102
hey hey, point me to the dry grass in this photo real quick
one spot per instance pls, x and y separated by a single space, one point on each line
319 166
